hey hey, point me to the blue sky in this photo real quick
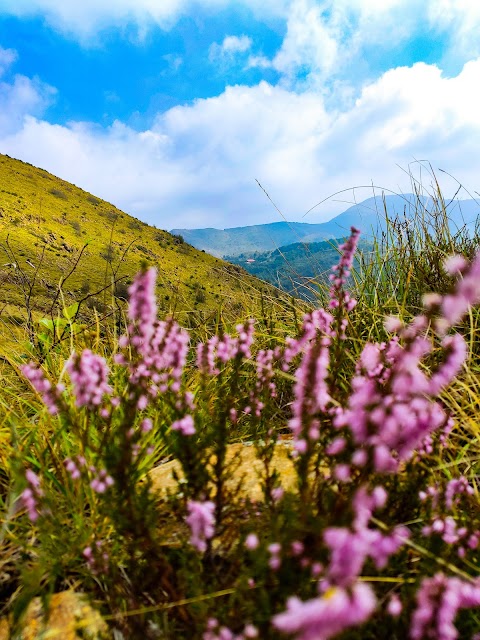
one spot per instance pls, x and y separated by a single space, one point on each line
171 109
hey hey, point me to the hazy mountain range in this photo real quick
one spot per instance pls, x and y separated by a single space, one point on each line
368 215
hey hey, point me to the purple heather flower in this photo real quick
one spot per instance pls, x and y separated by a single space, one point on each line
31 495
142 309
349 548
251 541
161 347
467 292
341 472
101 482
201 520
206 356
456 487
146 425
297 547
72 469
456 354
311 390
49 394
336 446
327 616
394 606
455 264
438 601
224 349
89 375
338 297
185 426
390 410
277 493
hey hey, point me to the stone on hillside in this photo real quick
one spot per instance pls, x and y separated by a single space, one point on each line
245 466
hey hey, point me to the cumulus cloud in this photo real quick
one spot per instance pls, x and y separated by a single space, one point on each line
84 20
22 97
229 48
460 19
196 166
327 39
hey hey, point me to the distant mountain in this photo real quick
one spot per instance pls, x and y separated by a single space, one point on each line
369 216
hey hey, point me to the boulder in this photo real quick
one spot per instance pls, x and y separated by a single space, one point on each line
245 467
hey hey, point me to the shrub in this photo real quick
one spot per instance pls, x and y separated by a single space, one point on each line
136 225
177 238
58 193
76 227
378 537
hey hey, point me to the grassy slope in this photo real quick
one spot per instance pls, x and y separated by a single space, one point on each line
42 214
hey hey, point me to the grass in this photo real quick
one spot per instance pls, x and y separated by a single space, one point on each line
55 236
144 572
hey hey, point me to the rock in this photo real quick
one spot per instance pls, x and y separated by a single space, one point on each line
246 466
70 618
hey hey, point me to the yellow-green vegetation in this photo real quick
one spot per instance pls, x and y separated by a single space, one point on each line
62 245
224 483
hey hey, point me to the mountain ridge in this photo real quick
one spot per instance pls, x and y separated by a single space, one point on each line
367 215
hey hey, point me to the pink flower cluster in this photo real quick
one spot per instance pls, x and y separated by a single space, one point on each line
349 548
89 375
101 480
31 495
391 409
446 526
96 558
453 307
339 298
161 346
216 632
49 394
225 348
201 520
438 601
73 467
142 310
185 425
345 602
327 616
311 394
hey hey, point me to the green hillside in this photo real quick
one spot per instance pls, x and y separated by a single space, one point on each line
296 268
50 228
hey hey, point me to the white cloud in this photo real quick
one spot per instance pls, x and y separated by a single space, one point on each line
21 97
461 19
196 166
231 46
84 20
310 41
7 58
324 38
173 61
234 44
327 39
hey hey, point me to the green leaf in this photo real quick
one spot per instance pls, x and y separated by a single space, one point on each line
46 322
71 311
